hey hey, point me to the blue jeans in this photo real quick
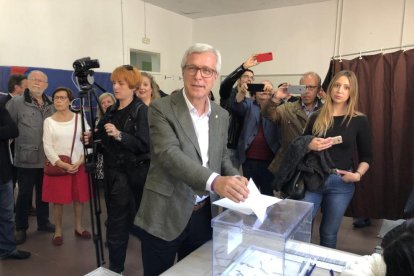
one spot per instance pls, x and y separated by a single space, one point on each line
7 242
333 198
262 177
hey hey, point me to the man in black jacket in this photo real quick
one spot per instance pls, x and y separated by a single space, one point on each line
16 85
242 76
8 250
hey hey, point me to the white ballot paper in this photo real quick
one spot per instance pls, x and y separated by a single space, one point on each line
255 203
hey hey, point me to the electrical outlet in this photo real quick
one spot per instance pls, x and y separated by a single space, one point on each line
146 40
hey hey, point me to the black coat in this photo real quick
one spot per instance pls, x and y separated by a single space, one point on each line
315 165
135 145
8 130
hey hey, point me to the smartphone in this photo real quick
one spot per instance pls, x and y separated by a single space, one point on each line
336 140
264 57
255 87
296 89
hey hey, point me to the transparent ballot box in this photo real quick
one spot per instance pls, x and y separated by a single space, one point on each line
243 245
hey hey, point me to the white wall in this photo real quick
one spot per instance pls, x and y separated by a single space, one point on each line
53 33
302 37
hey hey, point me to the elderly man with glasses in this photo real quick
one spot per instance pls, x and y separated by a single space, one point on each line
28 112
292 116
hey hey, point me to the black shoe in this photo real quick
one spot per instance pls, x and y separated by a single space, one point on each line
361 223
32 212
48 227
17 255
20 236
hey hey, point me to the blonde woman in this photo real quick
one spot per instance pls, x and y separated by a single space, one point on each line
58 131
105 100
339 117
148 89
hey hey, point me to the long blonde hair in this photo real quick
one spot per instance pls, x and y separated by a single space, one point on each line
325 118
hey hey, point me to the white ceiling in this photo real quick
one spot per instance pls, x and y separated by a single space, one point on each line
208 8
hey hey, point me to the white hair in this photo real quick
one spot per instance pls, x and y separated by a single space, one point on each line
202 48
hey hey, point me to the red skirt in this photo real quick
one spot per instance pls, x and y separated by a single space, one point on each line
67 188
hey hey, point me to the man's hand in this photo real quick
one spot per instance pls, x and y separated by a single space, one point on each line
320 144
280 93
241 92
232 187
250 62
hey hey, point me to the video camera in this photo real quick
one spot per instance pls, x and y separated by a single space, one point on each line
83 72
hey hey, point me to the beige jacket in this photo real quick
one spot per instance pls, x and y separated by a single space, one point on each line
292 119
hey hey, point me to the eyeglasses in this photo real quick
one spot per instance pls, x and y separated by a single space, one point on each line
205 71
59 98
38 80
248 77
128 67
311 87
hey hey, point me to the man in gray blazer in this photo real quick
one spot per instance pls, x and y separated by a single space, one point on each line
189 165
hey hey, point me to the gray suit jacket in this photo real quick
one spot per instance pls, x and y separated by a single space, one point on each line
176 174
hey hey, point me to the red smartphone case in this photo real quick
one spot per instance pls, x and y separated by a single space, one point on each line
264 57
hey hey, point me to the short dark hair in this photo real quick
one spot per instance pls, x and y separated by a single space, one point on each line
69 92
398 249
15 79
248 70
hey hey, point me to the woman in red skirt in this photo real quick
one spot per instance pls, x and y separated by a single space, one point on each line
58 136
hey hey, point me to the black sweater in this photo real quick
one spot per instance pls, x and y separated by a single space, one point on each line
357 133
8 130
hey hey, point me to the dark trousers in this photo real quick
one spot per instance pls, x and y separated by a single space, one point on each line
124 188
7 241
262 177
26 179
158 255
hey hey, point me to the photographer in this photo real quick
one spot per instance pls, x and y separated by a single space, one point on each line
241 77
259 138
125 138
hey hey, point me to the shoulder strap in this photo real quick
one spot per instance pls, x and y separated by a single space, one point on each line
134 113
74 135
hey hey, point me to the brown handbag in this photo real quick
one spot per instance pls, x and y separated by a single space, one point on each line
51 170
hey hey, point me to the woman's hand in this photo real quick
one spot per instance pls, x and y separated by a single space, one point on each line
320 144
111 130
86 137
75 167
349 176
62 164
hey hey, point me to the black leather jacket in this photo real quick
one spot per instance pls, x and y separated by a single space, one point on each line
134 146
227 96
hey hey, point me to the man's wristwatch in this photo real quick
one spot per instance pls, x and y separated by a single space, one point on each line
119 138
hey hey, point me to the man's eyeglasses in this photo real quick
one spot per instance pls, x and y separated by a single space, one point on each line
38 80
205 71
59 98
311 87
129 67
